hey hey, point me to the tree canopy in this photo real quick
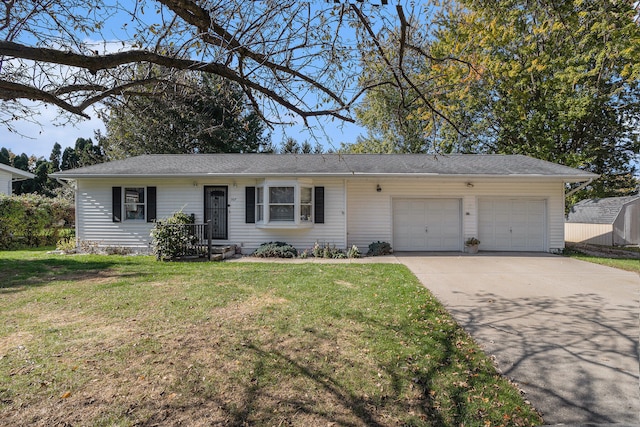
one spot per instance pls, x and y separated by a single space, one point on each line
558 81
84 153
195 113
292 59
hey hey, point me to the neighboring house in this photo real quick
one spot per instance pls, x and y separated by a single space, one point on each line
416 202
613 221
9 174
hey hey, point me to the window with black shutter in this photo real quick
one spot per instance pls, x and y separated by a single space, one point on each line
318 205
151 204
116 204
139 204
250 205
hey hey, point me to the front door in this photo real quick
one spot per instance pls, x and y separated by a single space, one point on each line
215 210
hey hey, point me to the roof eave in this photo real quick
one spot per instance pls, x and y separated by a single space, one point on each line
17 174
564 178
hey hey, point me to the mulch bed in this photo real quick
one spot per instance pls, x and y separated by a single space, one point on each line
604 251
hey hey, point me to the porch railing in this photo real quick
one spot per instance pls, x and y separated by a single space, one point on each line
192 240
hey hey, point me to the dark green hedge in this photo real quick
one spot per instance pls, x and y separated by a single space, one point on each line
33 220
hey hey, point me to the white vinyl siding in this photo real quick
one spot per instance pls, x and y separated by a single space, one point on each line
94 220
626 228
355 213
5 183
370 213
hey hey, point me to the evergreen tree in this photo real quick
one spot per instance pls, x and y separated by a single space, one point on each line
56 157
213 118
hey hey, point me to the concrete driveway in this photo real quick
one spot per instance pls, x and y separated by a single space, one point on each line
566 331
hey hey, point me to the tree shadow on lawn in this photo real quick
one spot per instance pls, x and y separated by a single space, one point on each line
576 357
351 408
332 404
17 275
358 407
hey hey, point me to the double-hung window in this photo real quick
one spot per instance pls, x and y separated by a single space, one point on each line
259 204
133 204
306 204
284 203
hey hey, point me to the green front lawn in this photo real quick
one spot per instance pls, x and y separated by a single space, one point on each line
111 340
623 264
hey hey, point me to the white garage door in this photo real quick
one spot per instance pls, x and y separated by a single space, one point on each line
512 224
427 225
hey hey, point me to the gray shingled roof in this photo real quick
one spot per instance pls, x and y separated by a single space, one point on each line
261 165
599 211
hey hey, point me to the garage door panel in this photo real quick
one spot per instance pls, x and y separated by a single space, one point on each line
512 224
427 225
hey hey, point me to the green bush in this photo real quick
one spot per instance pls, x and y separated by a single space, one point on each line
66 245
327 251
354 252
276 250
168 240
379 248
33 220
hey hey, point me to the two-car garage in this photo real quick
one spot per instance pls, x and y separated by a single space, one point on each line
504 224
512 224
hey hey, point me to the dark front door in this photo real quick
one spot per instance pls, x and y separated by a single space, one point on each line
215 210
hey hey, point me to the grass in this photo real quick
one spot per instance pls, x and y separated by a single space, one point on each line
111 340
620 263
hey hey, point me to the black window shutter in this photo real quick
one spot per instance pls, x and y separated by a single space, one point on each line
318 208
116 203
151 204
250 205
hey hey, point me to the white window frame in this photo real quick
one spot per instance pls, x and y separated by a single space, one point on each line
259 204
263 208
125 203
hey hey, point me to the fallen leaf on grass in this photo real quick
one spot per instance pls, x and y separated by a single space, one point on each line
65 395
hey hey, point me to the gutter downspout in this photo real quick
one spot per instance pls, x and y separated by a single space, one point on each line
64 183
578 188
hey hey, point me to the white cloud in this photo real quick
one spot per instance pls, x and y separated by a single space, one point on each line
38 140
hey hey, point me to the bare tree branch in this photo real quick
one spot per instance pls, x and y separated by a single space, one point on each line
101 62
199 17
303 58
10 91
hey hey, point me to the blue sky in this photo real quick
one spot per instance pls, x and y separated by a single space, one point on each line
39 140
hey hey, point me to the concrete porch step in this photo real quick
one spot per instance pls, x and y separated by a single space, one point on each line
221 252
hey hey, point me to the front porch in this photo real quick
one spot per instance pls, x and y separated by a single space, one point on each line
190 242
